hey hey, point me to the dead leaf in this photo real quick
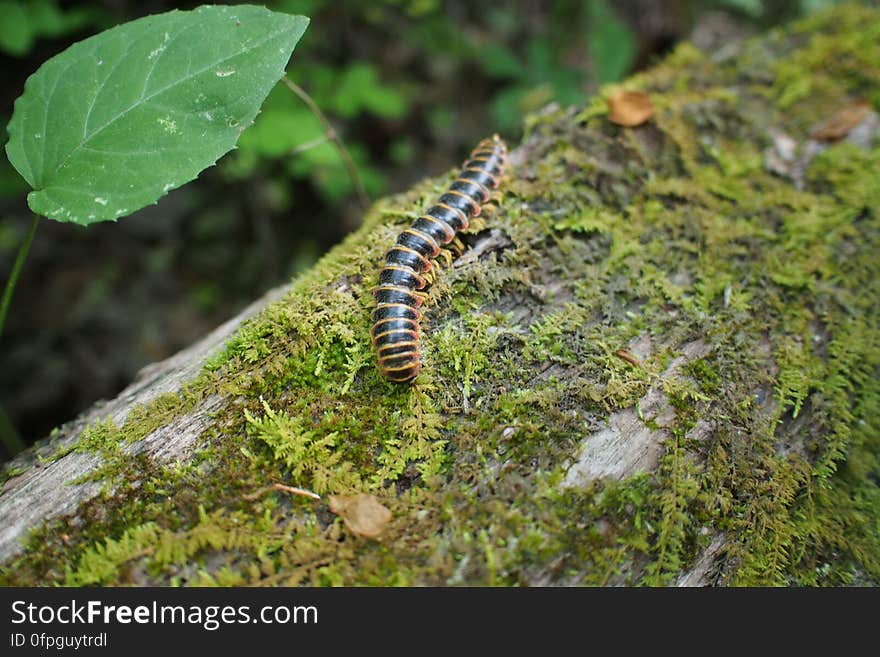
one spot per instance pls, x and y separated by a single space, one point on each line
363 514
629 108
841 122
628 357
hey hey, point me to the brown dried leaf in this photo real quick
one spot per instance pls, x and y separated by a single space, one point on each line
363 514
841 122
629 108
628 357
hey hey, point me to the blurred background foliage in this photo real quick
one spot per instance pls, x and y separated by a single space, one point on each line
410 85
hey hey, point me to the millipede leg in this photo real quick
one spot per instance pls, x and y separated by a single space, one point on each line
457 247
447 257
478 223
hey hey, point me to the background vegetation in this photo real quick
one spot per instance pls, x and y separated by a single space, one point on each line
409 84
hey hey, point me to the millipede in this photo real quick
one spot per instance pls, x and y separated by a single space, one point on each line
408 264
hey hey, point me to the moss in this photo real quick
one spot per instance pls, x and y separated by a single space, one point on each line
669 235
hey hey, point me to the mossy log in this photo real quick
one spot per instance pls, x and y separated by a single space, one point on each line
657 364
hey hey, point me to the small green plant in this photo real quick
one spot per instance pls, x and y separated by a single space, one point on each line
22 22
115 122
541 74
120 119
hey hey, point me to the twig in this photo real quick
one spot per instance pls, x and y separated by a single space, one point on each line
250 497
333 136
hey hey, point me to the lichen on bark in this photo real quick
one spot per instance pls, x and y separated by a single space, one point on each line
736 442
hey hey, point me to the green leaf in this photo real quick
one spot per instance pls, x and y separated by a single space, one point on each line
278 132
116 121
24 21
611 42
360 89
499 61
16 31
752 8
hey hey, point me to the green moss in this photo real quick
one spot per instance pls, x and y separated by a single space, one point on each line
666 236
313 458
846 51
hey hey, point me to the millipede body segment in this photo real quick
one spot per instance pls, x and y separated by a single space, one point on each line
396 318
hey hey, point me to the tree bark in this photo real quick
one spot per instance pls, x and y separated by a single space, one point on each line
656 364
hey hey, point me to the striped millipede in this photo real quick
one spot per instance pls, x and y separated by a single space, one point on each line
408 265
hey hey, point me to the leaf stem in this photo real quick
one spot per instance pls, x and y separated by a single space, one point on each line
333 136
16 270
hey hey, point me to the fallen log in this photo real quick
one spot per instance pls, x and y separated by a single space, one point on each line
658 364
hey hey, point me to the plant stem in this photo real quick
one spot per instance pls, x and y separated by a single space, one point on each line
333 136
9 436
314 143
16 270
